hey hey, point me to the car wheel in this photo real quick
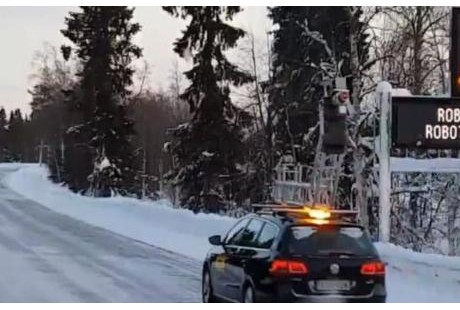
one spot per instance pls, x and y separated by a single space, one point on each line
206 291
248 295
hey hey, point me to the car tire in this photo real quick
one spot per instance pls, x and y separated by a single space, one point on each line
207 294
249 295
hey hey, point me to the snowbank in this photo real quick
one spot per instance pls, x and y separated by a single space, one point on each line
393 252
14 166
156 223
404 164
417 277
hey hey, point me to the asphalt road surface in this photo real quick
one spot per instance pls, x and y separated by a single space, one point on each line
49 257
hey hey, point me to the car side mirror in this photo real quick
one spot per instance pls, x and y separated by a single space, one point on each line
215 240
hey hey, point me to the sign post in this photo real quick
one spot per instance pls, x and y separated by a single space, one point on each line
383 94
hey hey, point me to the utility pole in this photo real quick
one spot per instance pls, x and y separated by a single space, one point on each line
383 97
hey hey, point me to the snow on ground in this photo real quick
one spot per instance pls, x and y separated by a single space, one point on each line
401 92
405 164
412 277
416 277
46 256
156 223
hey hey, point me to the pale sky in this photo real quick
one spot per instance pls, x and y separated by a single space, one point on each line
24 30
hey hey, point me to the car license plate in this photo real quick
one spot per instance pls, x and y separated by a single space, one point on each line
333 285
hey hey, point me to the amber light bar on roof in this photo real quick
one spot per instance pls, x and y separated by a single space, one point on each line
320 212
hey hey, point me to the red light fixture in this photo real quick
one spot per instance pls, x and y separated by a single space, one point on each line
282 267
373 269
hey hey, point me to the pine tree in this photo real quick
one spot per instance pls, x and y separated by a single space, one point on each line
295 113
207 150
102 41
16 134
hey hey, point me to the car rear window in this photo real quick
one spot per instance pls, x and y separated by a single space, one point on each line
330 241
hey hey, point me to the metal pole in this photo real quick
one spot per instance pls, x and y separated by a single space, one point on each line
383 96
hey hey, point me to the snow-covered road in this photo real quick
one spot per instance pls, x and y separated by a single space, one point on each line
50 257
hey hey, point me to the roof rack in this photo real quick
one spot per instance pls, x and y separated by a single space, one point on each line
306 211
272 208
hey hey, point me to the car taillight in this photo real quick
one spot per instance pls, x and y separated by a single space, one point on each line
373 269
282 267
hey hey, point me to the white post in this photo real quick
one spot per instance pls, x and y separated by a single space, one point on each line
144 172
383 97
40 155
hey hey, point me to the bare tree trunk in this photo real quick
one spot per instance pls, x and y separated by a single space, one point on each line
417 57
265 122
319 159
441 60
451 213
361 203
452 210
256 84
